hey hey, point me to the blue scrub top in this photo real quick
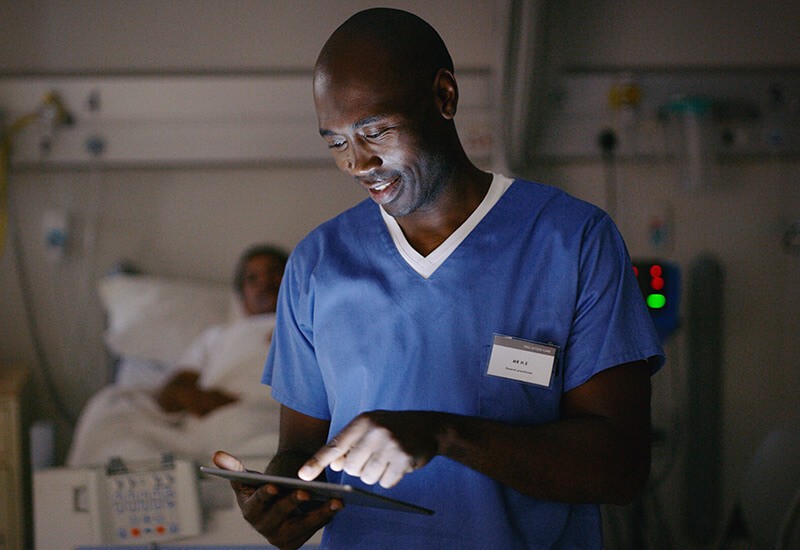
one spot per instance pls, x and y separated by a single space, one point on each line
358 330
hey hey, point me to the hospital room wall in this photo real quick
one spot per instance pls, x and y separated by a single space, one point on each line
739 218
191 221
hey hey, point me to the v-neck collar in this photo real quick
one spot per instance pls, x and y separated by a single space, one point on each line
425 266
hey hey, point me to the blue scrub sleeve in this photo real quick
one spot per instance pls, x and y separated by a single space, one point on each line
292 345
612 325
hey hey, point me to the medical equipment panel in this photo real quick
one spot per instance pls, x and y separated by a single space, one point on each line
137 504
660 283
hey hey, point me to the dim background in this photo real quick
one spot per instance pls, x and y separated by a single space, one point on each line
192 219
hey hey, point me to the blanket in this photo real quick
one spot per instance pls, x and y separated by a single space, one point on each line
126 422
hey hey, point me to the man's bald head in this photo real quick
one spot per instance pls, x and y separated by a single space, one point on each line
387 41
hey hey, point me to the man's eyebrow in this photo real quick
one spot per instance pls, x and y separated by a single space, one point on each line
358 124
367 121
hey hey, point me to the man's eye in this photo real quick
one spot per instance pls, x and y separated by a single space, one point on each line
336 144
374 135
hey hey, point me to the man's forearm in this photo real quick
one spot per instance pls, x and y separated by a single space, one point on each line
300 437
571 460
598 452
286 462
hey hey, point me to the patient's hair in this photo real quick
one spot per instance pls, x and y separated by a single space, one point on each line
256 250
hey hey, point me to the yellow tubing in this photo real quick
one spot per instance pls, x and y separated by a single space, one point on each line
5 156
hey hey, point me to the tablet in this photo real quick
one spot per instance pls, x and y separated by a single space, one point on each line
319 490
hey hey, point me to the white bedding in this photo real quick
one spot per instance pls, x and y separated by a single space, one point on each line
125 421
151 323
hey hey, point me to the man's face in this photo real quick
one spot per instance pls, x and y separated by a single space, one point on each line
382 134
260 282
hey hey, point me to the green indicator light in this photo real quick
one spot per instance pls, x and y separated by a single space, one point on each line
656 301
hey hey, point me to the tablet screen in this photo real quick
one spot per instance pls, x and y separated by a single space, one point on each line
319 490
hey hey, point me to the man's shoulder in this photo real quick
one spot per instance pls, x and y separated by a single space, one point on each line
548 201
343 231
354 214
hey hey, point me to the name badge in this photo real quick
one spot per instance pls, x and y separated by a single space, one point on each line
522 360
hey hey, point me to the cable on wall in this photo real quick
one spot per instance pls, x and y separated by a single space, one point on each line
607 141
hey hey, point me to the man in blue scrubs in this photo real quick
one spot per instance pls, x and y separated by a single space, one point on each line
460 340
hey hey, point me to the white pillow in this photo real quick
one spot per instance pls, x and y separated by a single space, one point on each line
157 318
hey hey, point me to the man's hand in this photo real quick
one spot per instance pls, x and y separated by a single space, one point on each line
183 393
284 519
379 447
203 401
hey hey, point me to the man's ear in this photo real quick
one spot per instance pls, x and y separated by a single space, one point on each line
446 90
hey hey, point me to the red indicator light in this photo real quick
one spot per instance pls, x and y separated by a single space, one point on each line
636 271
655 270
657 283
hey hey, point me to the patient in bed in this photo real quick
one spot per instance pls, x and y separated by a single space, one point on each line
212 398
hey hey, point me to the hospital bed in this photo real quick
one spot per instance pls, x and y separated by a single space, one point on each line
150 322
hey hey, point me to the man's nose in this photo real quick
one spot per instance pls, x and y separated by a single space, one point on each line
261 282
362 160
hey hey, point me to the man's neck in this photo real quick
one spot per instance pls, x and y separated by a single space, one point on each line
426 230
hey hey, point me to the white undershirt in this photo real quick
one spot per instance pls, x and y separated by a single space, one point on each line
426 265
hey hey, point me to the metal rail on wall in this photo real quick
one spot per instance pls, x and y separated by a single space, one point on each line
166 120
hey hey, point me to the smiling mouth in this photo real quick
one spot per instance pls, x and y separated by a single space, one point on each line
383 186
